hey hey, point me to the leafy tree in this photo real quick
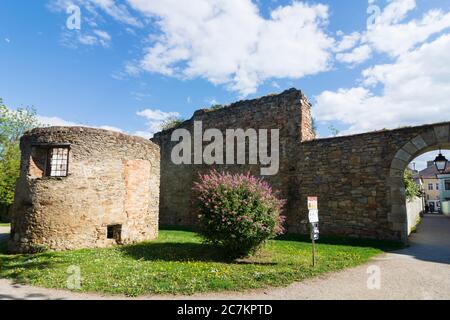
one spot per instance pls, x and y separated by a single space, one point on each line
13 124
334 131
411 187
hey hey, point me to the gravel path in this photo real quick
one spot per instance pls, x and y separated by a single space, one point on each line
421 271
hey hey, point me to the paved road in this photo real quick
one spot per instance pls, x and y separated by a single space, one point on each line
421 271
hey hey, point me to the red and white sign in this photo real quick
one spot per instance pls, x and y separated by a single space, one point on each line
312 203
313 210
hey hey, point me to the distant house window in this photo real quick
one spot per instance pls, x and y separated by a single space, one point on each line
437 186
447 185
58 162
430 186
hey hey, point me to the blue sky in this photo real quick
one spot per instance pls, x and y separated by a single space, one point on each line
135 63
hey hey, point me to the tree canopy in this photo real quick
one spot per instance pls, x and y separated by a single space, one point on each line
13 124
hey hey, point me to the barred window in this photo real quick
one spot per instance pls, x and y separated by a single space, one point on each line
58 162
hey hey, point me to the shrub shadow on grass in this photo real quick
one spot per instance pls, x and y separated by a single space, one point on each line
183 252
346 241
175 252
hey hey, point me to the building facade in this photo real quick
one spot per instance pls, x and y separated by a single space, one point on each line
431 186
444 180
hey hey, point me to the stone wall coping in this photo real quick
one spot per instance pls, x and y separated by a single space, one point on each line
234 105
383 131
89 130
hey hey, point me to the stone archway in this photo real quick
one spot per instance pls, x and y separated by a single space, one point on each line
431 139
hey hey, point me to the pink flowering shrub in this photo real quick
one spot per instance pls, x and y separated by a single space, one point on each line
237 212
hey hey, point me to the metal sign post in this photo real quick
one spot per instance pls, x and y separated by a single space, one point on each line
314 224
314 252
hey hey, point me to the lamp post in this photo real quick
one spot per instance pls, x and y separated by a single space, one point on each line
441 162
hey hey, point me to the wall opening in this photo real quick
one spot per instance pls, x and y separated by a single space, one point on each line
49 161
114 232
411 157
58 162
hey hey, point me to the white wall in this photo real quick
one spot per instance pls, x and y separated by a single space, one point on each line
413 209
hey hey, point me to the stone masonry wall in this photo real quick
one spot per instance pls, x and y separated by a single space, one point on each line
358 178
113 180
286 112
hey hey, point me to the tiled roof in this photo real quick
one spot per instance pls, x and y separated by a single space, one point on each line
432 172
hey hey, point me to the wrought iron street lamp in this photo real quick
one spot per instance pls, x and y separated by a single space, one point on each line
441 162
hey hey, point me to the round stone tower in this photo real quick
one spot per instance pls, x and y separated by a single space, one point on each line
82 188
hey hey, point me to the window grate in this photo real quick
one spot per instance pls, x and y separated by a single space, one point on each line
58 164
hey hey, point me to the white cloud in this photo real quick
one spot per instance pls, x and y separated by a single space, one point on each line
97 37
356 56
118 12
56 121
59 122
391 34
155 119
228 42
347 42
414 90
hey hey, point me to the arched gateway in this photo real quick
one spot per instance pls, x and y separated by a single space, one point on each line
431 138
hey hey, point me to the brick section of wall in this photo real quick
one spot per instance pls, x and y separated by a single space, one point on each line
286 112
113 180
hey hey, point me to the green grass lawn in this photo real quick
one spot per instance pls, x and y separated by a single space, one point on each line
5 224
178 263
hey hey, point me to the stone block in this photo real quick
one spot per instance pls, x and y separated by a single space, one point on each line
442 133
429 137
419 142
410 148
403 155
399 164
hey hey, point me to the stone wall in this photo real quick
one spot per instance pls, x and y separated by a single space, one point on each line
414 208
358 178
289 112
112 182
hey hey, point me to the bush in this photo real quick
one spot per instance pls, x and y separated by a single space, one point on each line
239 213
171 123
412 189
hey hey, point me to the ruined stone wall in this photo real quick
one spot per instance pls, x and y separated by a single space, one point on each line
358 178
289 112
113 180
